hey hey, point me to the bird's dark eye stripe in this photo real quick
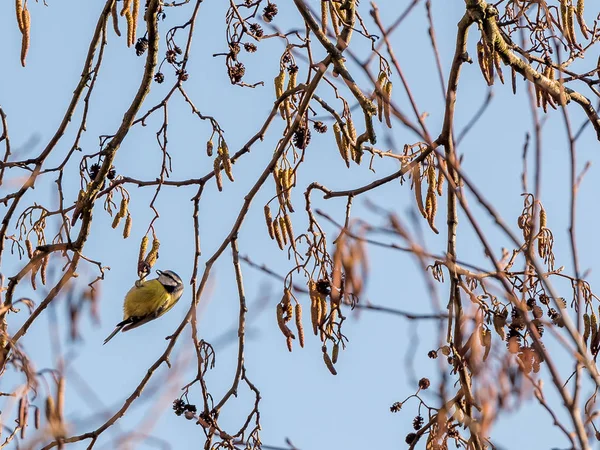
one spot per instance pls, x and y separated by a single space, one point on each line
170 275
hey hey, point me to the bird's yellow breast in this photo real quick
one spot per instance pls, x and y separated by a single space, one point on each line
146 299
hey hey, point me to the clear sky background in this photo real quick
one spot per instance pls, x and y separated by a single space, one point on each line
386 354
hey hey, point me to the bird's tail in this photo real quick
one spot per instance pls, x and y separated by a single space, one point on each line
118 328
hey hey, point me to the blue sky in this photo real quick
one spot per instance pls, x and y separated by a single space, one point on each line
300 399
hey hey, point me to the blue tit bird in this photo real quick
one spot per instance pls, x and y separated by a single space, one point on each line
148 300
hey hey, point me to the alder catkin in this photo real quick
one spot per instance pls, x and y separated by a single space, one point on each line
44 268
289 230
269 221
586 327
299 327
441 179
579 13
282 227
342 147
135 13
127 228
115 19
335 352
328 362
153 255
324 14
129 19
387 91
281 322
26 19
278 234
29 247
416 176
19 13
143 248
279 83
217 171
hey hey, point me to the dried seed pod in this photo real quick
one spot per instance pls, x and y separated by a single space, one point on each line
513 80
143 248
299 326
335 352
328 362
586 327
209 148
416 178
127 228
26 19
29 248
269 221
153 255
44 268
278 234
342 147
115 19
594 326
217 171
289 341
387 91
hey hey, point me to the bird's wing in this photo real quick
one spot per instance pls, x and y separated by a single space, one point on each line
145 300
134 322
